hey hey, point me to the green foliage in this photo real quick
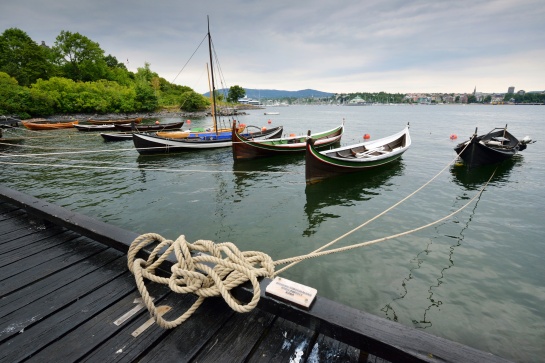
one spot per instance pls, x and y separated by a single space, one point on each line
525 98
22 58
79 58
146 100
235 92
192 102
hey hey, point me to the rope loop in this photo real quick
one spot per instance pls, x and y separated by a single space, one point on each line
204 268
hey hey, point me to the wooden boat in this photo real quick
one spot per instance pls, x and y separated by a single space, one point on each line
146 128
215 138
247 148
152 144
352 158
117 121
47 125
496 146
116 136
87 128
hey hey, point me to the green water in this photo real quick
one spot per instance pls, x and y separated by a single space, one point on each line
475 278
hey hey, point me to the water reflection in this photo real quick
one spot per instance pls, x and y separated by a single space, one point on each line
419 260
474 178
345 190
249 172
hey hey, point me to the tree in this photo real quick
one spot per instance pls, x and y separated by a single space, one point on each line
22 58
191 101
235 92
79 58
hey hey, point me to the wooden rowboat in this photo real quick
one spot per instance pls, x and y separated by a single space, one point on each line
106 127
247 148
116 136
494 147
45 125
352 158
146 128
117 121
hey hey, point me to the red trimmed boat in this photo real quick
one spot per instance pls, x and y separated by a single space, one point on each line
248 148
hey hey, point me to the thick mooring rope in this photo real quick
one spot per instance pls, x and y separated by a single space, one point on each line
207 269
192 272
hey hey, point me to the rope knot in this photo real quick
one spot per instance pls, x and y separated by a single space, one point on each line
203 268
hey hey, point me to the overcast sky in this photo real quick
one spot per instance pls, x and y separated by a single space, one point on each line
332 46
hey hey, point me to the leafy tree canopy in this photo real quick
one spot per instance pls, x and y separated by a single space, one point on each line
235 92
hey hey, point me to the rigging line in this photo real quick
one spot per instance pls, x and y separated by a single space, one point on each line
380 214
219 71
189 58
291 260
147 169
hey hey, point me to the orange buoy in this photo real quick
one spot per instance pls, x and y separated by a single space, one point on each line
157 122
292 135
366 136
453 137
263 128
188 121
269 121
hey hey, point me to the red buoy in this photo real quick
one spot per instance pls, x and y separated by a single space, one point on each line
366 136
188 121
269 121
453 137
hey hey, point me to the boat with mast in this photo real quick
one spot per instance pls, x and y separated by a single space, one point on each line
160 143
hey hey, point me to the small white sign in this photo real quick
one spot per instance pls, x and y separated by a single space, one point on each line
290 291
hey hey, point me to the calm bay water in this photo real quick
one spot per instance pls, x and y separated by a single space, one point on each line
476 278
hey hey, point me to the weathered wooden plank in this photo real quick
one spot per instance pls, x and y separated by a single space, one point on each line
94 271
9 212
38 336
91 339
329 350
284 342
112 236
26 248
238 339
21 241
50 261
185 341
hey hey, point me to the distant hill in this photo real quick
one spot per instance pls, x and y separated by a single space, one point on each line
257 94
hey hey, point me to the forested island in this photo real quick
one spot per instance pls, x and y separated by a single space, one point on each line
75 76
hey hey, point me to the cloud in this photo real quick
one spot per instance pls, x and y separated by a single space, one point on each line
342 46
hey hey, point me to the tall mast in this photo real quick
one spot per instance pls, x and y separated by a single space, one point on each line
212 76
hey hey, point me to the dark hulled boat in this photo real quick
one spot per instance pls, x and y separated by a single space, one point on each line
146 128
494 147
153 144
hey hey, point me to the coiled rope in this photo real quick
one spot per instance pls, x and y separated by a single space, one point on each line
191 271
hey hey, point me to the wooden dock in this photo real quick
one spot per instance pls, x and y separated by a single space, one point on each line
66 295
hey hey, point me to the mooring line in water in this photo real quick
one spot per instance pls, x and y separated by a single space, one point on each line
314 254
377 216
